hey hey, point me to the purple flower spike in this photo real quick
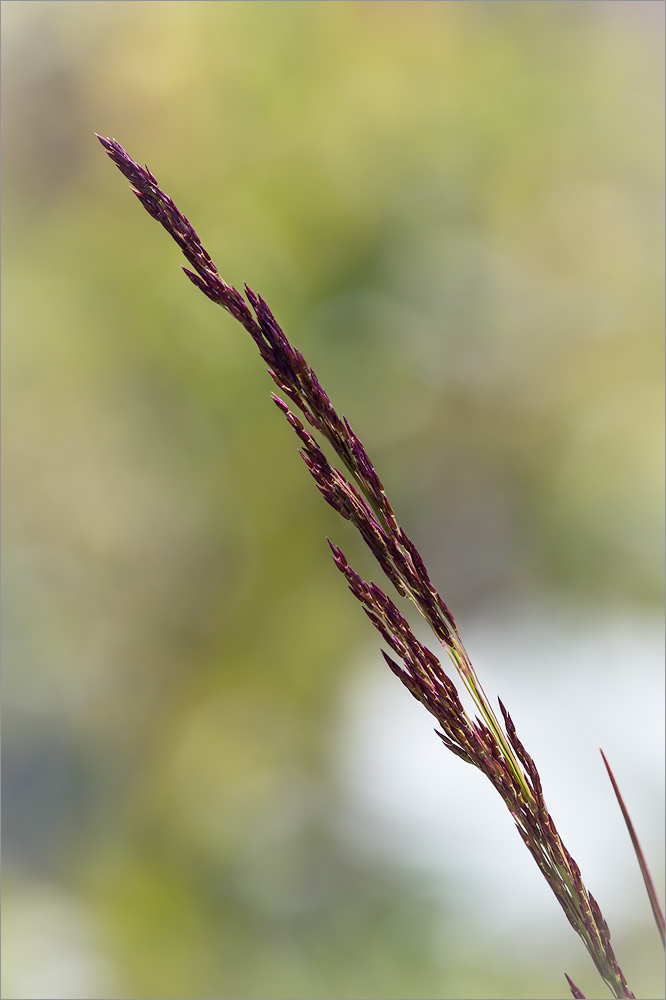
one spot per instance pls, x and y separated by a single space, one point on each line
358 495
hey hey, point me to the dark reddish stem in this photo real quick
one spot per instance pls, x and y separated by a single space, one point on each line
645 871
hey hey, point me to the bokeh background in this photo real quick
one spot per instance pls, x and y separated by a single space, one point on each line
212 789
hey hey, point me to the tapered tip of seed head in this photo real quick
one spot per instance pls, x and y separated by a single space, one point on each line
291 417
252 297
338 555
575 992
110 145
392 665
280 403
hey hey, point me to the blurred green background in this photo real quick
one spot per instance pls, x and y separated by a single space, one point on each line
456 211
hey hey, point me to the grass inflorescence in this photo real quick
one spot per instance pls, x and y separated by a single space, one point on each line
357 494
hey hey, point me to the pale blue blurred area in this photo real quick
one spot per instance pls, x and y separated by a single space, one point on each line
212 788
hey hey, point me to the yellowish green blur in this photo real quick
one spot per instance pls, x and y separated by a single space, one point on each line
455 209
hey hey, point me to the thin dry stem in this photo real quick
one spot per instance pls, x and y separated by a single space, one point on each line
645 871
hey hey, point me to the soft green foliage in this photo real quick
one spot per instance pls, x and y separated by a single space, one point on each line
456 211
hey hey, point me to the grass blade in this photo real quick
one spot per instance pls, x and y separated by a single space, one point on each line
645 871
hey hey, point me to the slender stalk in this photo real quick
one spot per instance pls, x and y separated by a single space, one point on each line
359 497
645 871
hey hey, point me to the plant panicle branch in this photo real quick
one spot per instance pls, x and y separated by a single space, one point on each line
358 495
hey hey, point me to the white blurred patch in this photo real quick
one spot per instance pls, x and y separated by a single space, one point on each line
50 950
